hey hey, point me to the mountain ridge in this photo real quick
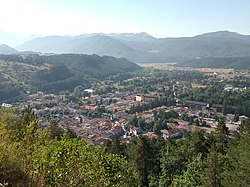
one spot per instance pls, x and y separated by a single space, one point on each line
142 47
5 49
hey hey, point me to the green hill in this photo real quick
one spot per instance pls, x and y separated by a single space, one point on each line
58 72
239 63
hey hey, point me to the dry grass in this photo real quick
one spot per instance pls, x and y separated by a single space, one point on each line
10 71
166 65
221 73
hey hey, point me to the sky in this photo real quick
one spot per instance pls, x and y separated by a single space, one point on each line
160 18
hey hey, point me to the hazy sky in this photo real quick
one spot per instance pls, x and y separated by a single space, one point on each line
160 18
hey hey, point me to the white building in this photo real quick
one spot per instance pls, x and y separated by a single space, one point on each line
6 105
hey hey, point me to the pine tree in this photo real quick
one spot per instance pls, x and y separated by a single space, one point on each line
192 176
212 175
172 163
237 170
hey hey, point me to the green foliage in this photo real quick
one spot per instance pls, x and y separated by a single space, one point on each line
61 72
158 126
192 176
153 104
237 170
222 137
235 63
32 157
55 73
72 162
232 101
10 169
195 144
212 173
35 156
222 128
114 146
167 115
172 164
8 91
144 153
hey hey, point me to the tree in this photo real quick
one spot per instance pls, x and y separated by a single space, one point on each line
173 162
237 170
222 128
222 136
139 151
212 175
54 131
72 162
36 159
192 176
158 126
11 171
78 91
114 146
195 144
224 107
145 153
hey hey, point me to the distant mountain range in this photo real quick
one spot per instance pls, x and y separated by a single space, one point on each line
142 47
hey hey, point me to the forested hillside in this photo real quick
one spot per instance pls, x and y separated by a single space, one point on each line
242 63
56 72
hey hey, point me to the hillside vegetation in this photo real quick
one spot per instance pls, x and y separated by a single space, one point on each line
48 156
56 72
239 63
35 156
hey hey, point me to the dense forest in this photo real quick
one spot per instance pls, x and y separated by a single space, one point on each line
32 155
240 63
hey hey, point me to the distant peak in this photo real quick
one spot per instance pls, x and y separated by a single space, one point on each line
4 45
144 33
5 49
221 34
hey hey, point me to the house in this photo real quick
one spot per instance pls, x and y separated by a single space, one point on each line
133 131
139 98
90 107
6 105
88 90
170 133
151 135
229 108
243 118
195 105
